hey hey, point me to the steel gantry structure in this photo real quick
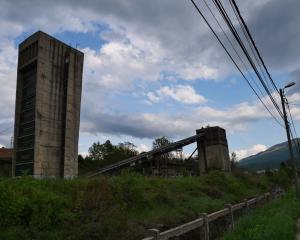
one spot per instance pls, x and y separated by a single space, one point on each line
149 155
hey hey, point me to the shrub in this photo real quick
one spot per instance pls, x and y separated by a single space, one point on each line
118 207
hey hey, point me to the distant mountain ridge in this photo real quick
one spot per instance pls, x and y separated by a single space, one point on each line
270 158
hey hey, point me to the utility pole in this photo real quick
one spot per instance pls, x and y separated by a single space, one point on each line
12 142
287 128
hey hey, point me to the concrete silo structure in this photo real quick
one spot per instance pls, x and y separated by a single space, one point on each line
47 114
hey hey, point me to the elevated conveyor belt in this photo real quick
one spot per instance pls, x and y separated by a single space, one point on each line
147 155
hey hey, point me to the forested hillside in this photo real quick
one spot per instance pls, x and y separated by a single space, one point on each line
272 158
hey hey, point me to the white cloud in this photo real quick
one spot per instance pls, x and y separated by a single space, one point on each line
181 93
153 97
180 124
242 153
8 60
169 24
55 18
117 65
128 58
143 148
295 97
84 154
294 105
196 71
234 118
138 51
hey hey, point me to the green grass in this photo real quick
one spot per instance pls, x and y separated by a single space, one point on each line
275 221
120 207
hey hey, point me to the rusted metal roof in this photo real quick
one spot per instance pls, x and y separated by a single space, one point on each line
6 153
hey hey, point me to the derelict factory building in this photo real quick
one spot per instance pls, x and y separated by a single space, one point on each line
47 114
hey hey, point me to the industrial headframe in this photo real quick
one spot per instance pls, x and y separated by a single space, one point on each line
47 114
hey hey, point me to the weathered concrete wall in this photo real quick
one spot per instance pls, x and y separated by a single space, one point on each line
213 150
217 158
57 109
27 59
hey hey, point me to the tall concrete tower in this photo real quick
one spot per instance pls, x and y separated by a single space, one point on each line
213 150
47 114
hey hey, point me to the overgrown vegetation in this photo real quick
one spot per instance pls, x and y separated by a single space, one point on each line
104 154
276 221
120 207
101 155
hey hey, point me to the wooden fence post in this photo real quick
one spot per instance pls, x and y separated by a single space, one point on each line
154 233
258 201
246 206
229 206
265 197
205 225
255 202
204 232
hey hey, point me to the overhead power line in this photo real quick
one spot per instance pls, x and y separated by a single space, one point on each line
263 69
236 52
230 25
250 36
295 139
231 58
254 52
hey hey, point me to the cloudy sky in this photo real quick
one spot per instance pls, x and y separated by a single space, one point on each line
153 68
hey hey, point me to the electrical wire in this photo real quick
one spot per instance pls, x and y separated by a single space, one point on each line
236 53
295 142
230 25
252 41
231 58
255 53
295 139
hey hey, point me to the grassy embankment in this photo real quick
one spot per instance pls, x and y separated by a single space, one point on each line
120 207
275 221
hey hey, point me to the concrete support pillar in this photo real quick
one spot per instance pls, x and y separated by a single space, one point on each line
213 149
202 157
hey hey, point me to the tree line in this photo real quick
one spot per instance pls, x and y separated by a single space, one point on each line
100 155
